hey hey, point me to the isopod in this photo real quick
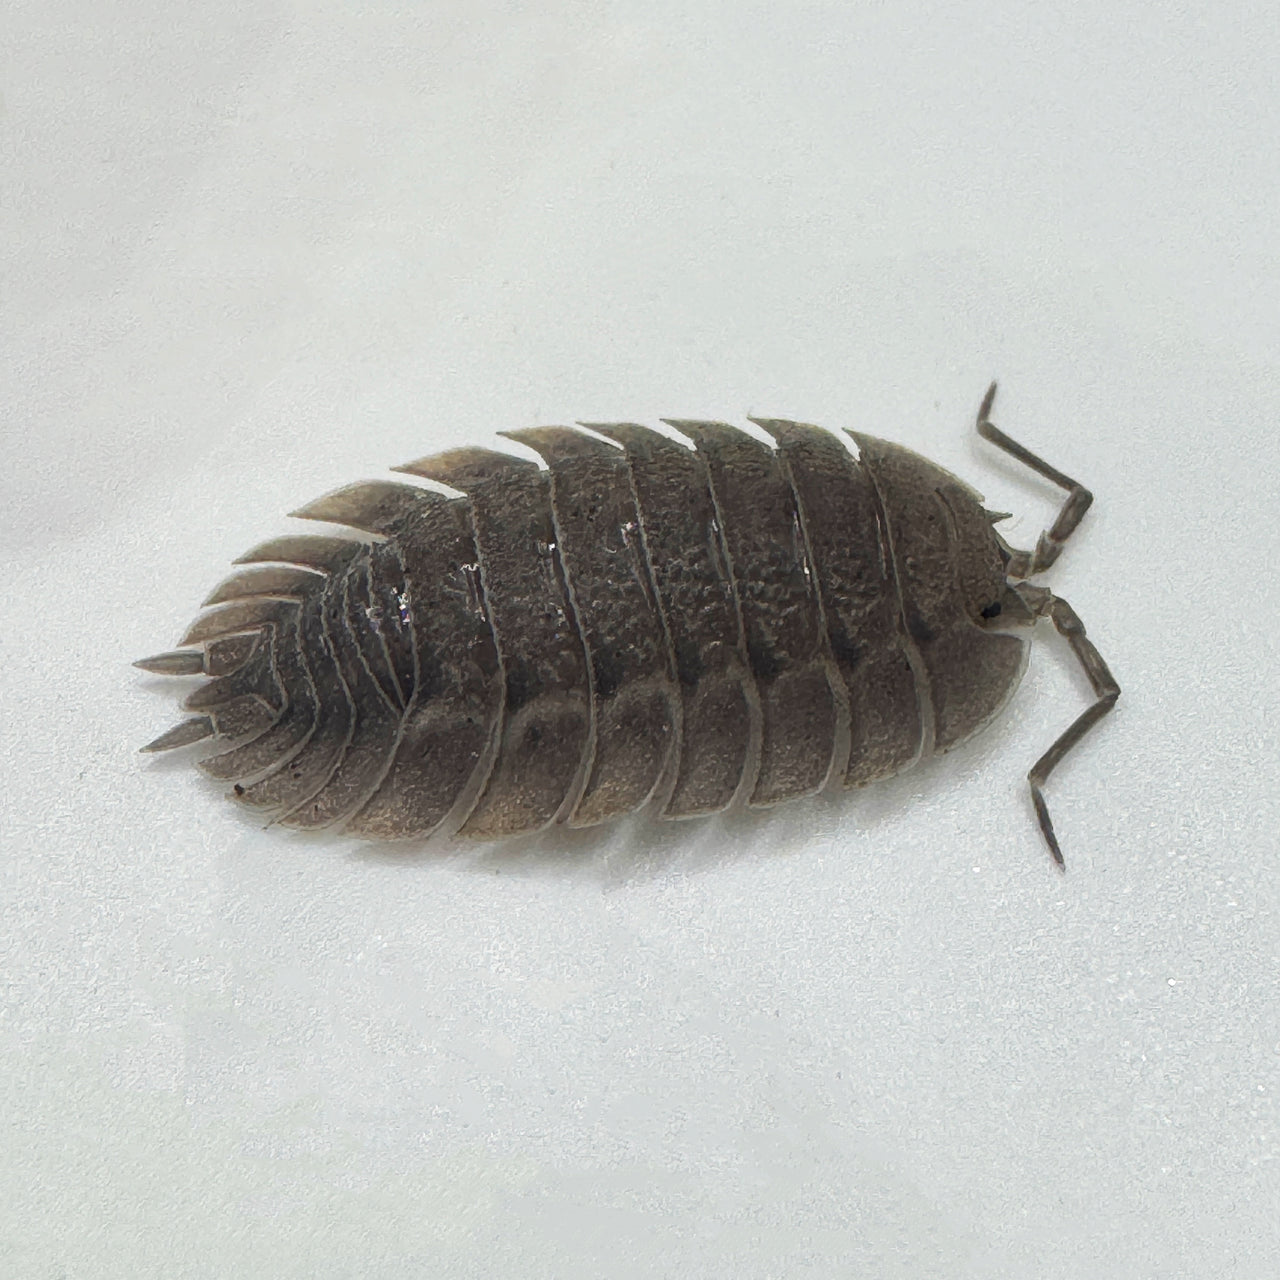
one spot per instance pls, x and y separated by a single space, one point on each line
639 620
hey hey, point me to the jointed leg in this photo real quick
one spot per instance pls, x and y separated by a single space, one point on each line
1026 563
1104 684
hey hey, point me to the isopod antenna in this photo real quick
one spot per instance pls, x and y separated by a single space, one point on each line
1043 603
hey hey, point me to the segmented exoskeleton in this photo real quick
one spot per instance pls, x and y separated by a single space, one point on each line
639 620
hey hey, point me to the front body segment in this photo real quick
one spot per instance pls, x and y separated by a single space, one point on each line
856 586
690 574
971 671
777 600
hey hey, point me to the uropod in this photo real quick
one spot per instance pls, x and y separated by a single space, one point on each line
640 620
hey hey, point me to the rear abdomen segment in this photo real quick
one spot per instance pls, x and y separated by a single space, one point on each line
457 695
544 720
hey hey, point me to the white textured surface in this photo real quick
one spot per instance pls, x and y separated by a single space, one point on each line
252 251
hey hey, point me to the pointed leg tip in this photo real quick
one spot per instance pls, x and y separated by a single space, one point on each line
984 410
1046 827
1051 837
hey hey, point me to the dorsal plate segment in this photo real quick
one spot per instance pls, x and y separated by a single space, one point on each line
325 554
778 604
465 468
283 581
373 506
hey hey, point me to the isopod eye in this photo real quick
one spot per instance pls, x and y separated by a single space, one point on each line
992 610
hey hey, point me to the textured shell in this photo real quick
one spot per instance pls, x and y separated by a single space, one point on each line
637 620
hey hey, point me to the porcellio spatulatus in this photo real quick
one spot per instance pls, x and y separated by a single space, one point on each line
638 620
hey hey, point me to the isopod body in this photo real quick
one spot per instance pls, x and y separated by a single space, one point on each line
638 620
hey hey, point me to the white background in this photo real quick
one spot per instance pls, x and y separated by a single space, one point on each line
254 250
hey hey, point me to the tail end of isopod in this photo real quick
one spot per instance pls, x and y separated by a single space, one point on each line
181 662
183 734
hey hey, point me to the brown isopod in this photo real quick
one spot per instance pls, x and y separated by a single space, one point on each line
638 621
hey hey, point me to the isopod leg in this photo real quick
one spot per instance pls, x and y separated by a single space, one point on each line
1026 563
1068 624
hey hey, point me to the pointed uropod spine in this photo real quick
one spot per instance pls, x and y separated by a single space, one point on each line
638 619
